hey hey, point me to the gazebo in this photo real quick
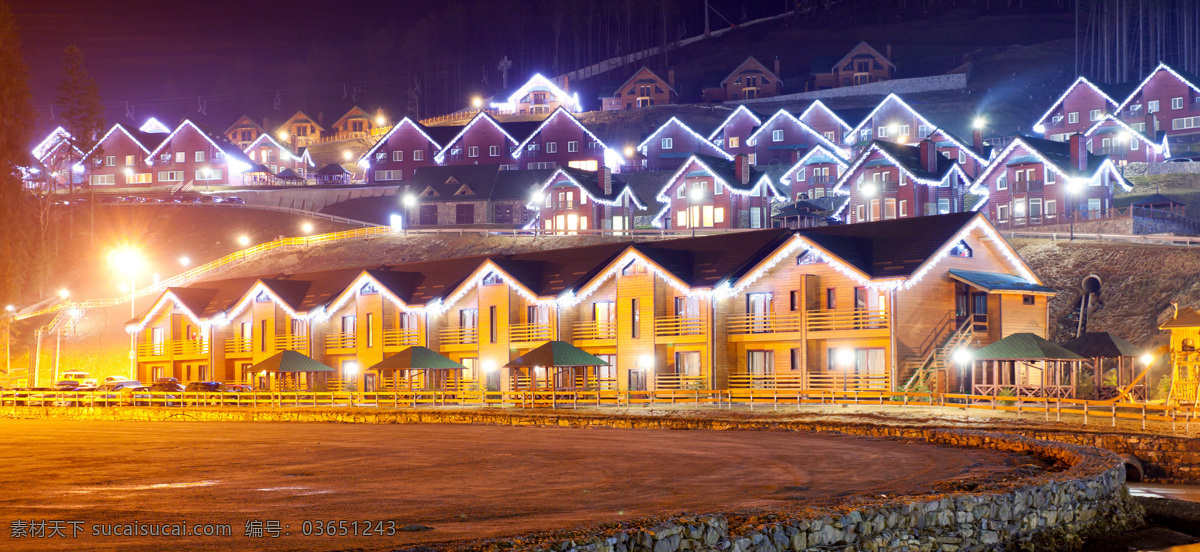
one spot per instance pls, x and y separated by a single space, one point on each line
558 364
1024 365
433 370
1119 354
289 370
288 175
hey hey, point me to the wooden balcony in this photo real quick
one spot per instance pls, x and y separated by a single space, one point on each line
1027 186
528 333
239 347
594 330
768 323
838 381
341 341
183 348
454 336
291 343
400 337
680 381
791 380
680 328
851 320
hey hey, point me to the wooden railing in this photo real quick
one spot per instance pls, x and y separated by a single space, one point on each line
846 319
797 380
765 323
677 326
291 343
459 336
679 381
529 332
400 337
239 346
340 341
595 330
832 381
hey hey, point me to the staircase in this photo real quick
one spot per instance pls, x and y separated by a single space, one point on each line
183 187
937 358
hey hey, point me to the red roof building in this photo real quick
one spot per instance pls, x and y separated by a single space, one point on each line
895 181
643 89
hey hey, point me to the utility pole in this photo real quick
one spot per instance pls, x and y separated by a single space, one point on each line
707 33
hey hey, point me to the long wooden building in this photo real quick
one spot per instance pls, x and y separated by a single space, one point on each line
839 307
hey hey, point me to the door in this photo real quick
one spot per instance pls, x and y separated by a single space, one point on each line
637 380
464 214
687 365
158 340
349 329
760 365
979 311
759 307
687 310
604 314
468 319
428 215
504 214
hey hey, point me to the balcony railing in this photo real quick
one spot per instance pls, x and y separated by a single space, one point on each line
846 319
765 323
178 348
680 381
340 341
595 330
835 381
677 326
529 332
400 337
1027 186
285 342
768 381
239 346
459 336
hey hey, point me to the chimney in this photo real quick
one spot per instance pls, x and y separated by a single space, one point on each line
566 83
1078 152
321 118
741 168
929 155
977 140
776 66
889 51
267 124
671 78
605 180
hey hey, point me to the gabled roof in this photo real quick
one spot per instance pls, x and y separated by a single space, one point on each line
589 182
233 154
243 121
274 142
353 112
907 159
143 140
1156 143
675 121
783 114
558 112
299 115
536 81
481 116
405 121
818 154
891 98
1183 76
1185 317
997 281
820 106
486 182
964 146
863 47
741 109
890 248
1057 156
50 142
743 64
633 80
1081 81
1024 346
1102 344
724 172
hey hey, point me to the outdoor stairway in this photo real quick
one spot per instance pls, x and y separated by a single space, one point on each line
183 187
938 358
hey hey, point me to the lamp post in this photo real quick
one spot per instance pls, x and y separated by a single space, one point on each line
696 196
845 359
868 190
962 357
128 261
8 340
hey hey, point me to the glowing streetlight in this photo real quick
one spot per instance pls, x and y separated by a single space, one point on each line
962 357
243 240
380 120
893 129
128 172
538 197
978 123
697 194
185 261
489 366
629 151
307 227
1147 359
8 339
477 102
646 361
410 200
9 308
64 293
128 260
347 155
868 189
283 135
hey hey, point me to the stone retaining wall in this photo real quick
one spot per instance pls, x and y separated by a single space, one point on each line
1055 509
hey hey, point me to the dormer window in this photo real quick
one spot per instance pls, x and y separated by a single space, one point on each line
961 249
368 289
262 297
492 279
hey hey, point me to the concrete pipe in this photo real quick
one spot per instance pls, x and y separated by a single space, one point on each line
1133 468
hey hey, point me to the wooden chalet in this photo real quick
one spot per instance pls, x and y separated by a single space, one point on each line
561 140
407 146
1124 143
750 80
896 181
196 155
122 158
277 157
828 123
643 89
892 120
814 174
861 65
538 96
733 134
783 138
356 123
672 143
1034 181
300 130
1168 101
54 159
1081 106
244 132
711 192
853 307
573 199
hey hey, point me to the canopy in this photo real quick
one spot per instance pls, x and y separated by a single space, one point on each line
290 362
417 358
556 353
333 169
1024 346
1185 317
1156 199
996 281
288 174
1102 344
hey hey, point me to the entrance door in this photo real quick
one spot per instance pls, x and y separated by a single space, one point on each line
979 311
637 380
427 216
760 365
158 339
469 318
604 314
464 214
759 306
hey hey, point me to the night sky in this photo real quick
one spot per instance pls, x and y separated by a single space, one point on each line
161 57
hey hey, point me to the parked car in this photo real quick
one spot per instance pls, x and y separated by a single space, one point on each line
239 388
82 377
233 199
113 393
1184 157
166 380
111 379
205 387
165 391
67 385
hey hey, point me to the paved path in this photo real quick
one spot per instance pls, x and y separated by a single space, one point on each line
464 481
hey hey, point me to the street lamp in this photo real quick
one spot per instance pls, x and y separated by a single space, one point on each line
410 200
64 293
307 227
349 370
243 240
8 340
1074 186
962 357
185 261
1147 358
844 358
978 123
868 191
129 261
696 195
477 102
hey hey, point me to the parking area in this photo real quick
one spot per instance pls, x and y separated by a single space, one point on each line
462 481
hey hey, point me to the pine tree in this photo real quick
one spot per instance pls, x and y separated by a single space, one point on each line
78 101
16 115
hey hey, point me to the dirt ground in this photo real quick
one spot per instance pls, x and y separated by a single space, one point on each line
462 481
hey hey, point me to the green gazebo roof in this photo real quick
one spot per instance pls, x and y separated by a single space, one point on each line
290 362
1024 346
1102 344
556 353
417 358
